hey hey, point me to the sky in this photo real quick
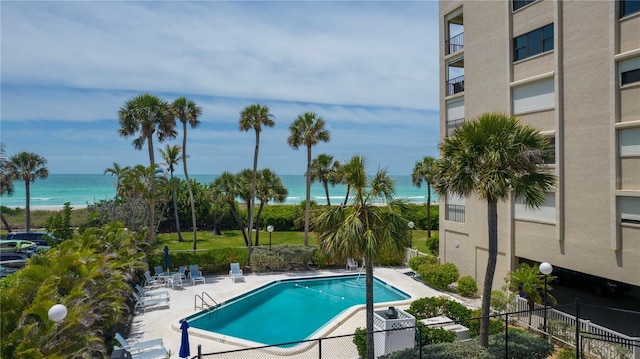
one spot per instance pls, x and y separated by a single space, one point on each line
369 69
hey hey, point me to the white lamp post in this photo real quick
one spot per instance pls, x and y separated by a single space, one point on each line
411 225
546 269
57 313
270 229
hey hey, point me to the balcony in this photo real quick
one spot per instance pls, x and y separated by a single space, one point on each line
453 124
455 43
455 85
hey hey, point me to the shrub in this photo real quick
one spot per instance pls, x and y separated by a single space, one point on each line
433 243
435 335
416 262
360 340
499 301
521 345
434 306
495 325
566 354
470 349
467 287
439 275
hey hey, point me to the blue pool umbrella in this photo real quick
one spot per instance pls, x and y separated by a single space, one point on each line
166 258
184 343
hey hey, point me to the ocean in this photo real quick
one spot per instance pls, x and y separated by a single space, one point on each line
85 189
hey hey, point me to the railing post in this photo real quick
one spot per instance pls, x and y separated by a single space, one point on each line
506 335
320 348
636 348
199 351
577 328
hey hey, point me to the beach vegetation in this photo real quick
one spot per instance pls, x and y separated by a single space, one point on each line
324 170
494 157
255 116
117 171
27 167
425 171
269 187
308 129
171 156
59 224
6 181
467 286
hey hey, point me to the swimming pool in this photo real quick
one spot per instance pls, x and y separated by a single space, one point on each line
290 310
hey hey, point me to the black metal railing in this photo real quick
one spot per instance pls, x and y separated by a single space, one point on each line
453 124
454 212
455 85
455 43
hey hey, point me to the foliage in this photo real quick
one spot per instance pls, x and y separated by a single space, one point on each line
521 345
436 306
282 257
360 340
433 244
566 354
499 301
469 349
131 212
435 335
467 287
416 262
439 275
209 261
528 282
59 224
495 326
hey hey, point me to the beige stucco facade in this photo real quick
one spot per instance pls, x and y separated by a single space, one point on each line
572 93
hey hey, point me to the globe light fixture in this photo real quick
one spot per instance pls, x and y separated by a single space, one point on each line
270 229
411 225
57 313
546 269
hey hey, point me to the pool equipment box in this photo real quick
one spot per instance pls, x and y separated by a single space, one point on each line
399 334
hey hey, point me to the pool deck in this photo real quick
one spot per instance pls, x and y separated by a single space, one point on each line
163 322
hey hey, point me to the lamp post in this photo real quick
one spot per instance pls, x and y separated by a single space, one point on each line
56 314
546 269
270 229
411 225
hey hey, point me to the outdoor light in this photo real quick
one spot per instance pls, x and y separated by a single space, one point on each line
546 269
270 229
57 313
411 225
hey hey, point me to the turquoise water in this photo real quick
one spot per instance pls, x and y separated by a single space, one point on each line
290 310
81 190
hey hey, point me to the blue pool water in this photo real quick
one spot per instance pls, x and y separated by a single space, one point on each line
290 310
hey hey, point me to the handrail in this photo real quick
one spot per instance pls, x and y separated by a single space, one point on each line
195 300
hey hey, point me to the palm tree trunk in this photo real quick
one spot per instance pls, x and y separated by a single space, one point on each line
492 220
326 191
258 222
175 209
252 199
27 191
369 308
346 197
236 216
428 211
6 224
186 177
152 198
307 205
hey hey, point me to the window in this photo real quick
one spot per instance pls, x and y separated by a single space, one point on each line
550 153
455 114
629 208
533 43
521 3
545 213
629 142
628 7
629 70
534 96
454 210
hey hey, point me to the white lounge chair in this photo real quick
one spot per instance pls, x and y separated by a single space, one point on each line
150 281
195 274
236 273
145 303
351 264
150 354
155 294
139 346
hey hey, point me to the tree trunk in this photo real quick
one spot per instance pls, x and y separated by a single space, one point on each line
307 205
27 191
258 222
346 197
428 211
152 197
186 177
236 216
492 220
326 191
369 308
252 196
6 224
175 209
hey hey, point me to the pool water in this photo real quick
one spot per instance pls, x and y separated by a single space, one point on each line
290 310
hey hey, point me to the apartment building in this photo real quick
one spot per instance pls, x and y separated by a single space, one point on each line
570 69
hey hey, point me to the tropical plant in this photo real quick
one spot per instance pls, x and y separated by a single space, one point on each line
323 169
27 166
348 173
493 157
425 170
307 130
118 172
527 282
254 117
6 181
227 185
364 229
188 112
171 156
146 116
269 187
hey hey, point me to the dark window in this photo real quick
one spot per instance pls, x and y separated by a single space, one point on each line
628 7
629 77
533 43
550 153
521 3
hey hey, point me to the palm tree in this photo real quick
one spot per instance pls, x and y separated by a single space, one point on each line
6 181
308 129
171 156
188 112
27 166
348 173
493 157
119 172
425 170
254 117
147 116
528 281
227 185
323 169
364 229
268 187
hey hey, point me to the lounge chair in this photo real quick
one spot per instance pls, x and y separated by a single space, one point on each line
182 270
155 294
195 274
145 303
351 264
150 281
149 354
158 271
236 273
175 280
139 346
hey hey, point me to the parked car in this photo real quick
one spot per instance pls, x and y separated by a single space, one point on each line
598 285
39 238
13 259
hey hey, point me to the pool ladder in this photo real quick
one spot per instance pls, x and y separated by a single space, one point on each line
203 301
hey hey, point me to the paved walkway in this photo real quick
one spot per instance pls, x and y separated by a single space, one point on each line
164 322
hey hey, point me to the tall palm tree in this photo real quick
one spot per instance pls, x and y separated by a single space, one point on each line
269 187
6 181
254 117
308 129
118 172
171 156
147 116
425 170
227 185
348 174
323 169
188 112
493 157
27 166
364 229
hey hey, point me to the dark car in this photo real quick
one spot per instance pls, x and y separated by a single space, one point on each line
39 238
13 259
598 285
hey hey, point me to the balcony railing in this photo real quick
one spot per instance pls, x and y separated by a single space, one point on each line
455 43
455 85
453 124
454 212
